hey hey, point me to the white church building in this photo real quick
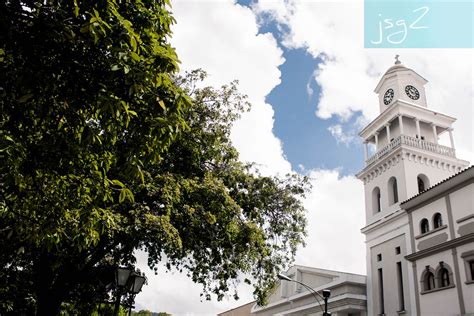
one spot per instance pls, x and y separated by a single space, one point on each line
419 200
419 207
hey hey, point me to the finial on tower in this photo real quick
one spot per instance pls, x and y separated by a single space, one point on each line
397 62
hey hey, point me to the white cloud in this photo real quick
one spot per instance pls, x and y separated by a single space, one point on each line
334 240
341 137
221 35
309 89
222 38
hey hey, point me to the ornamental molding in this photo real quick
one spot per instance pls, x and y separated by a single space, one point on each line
416 157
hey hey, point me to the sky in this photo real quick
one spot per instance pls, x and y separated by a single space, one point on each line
310 81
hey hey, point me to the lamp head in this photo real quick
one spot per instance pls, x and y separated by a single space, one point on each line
326 293
122 275
136 282
284 277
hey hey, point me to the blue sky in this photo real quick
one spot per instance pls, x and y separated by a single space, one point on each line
306 140
276 49
305 137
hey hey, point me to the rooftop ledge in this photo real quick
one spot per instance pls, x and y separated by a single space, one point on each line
414 143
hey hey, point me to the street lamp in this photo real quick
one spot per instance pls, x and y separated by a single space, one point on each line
121 276
325 296
127 281
136 283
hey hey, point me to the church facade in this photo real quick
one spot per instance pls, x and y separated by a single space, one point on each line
419 206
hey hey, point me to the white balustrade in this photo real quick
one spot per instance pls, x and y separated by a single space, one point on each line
411 142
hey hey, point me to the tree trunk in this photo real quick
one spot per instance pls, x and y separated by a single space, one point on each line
49 298
48 304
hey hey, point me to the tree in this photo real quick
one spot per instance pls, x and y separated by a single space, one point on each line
231 220
87 104
101 153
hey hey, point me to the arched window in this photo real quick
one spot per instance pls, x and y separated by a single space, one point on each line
392 190
428 280
437 220
424 226
444 277
376 200
395 190
423 183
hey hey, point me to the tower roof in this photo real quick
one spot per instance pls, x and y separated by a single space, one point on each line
395 70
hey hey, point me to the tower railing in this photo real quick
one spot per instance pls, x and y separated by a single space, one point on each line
411 142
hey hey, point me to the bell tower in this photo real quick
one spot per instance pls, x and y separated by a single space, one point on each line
405 159
406 156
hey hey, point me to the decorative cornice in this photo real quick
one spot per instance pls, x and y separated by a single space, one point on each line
465 218
333 302
441 247
431 232
392 216
373 171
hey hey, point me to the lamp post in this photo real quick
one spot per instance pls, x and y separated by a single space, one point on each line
121 279
127 281
136 284
324 297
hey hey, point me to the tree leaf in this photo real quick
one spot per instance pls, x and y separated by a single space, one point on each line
25 98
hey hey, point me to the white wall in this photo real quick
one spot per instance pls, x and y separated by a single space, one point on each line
462 203
428 211
416 165
444 302
467 289
384 239
388 264
381 181
314 281
406 172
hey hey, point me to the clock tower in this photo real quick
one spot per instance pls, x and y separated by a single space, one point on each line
406 159
401 83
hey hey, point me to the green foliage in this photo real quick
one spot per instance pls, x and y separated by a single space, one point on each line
228 218
87 106
101 153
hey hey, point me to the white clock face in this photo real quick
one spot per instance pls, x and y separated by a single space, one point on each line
388 96
412 92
